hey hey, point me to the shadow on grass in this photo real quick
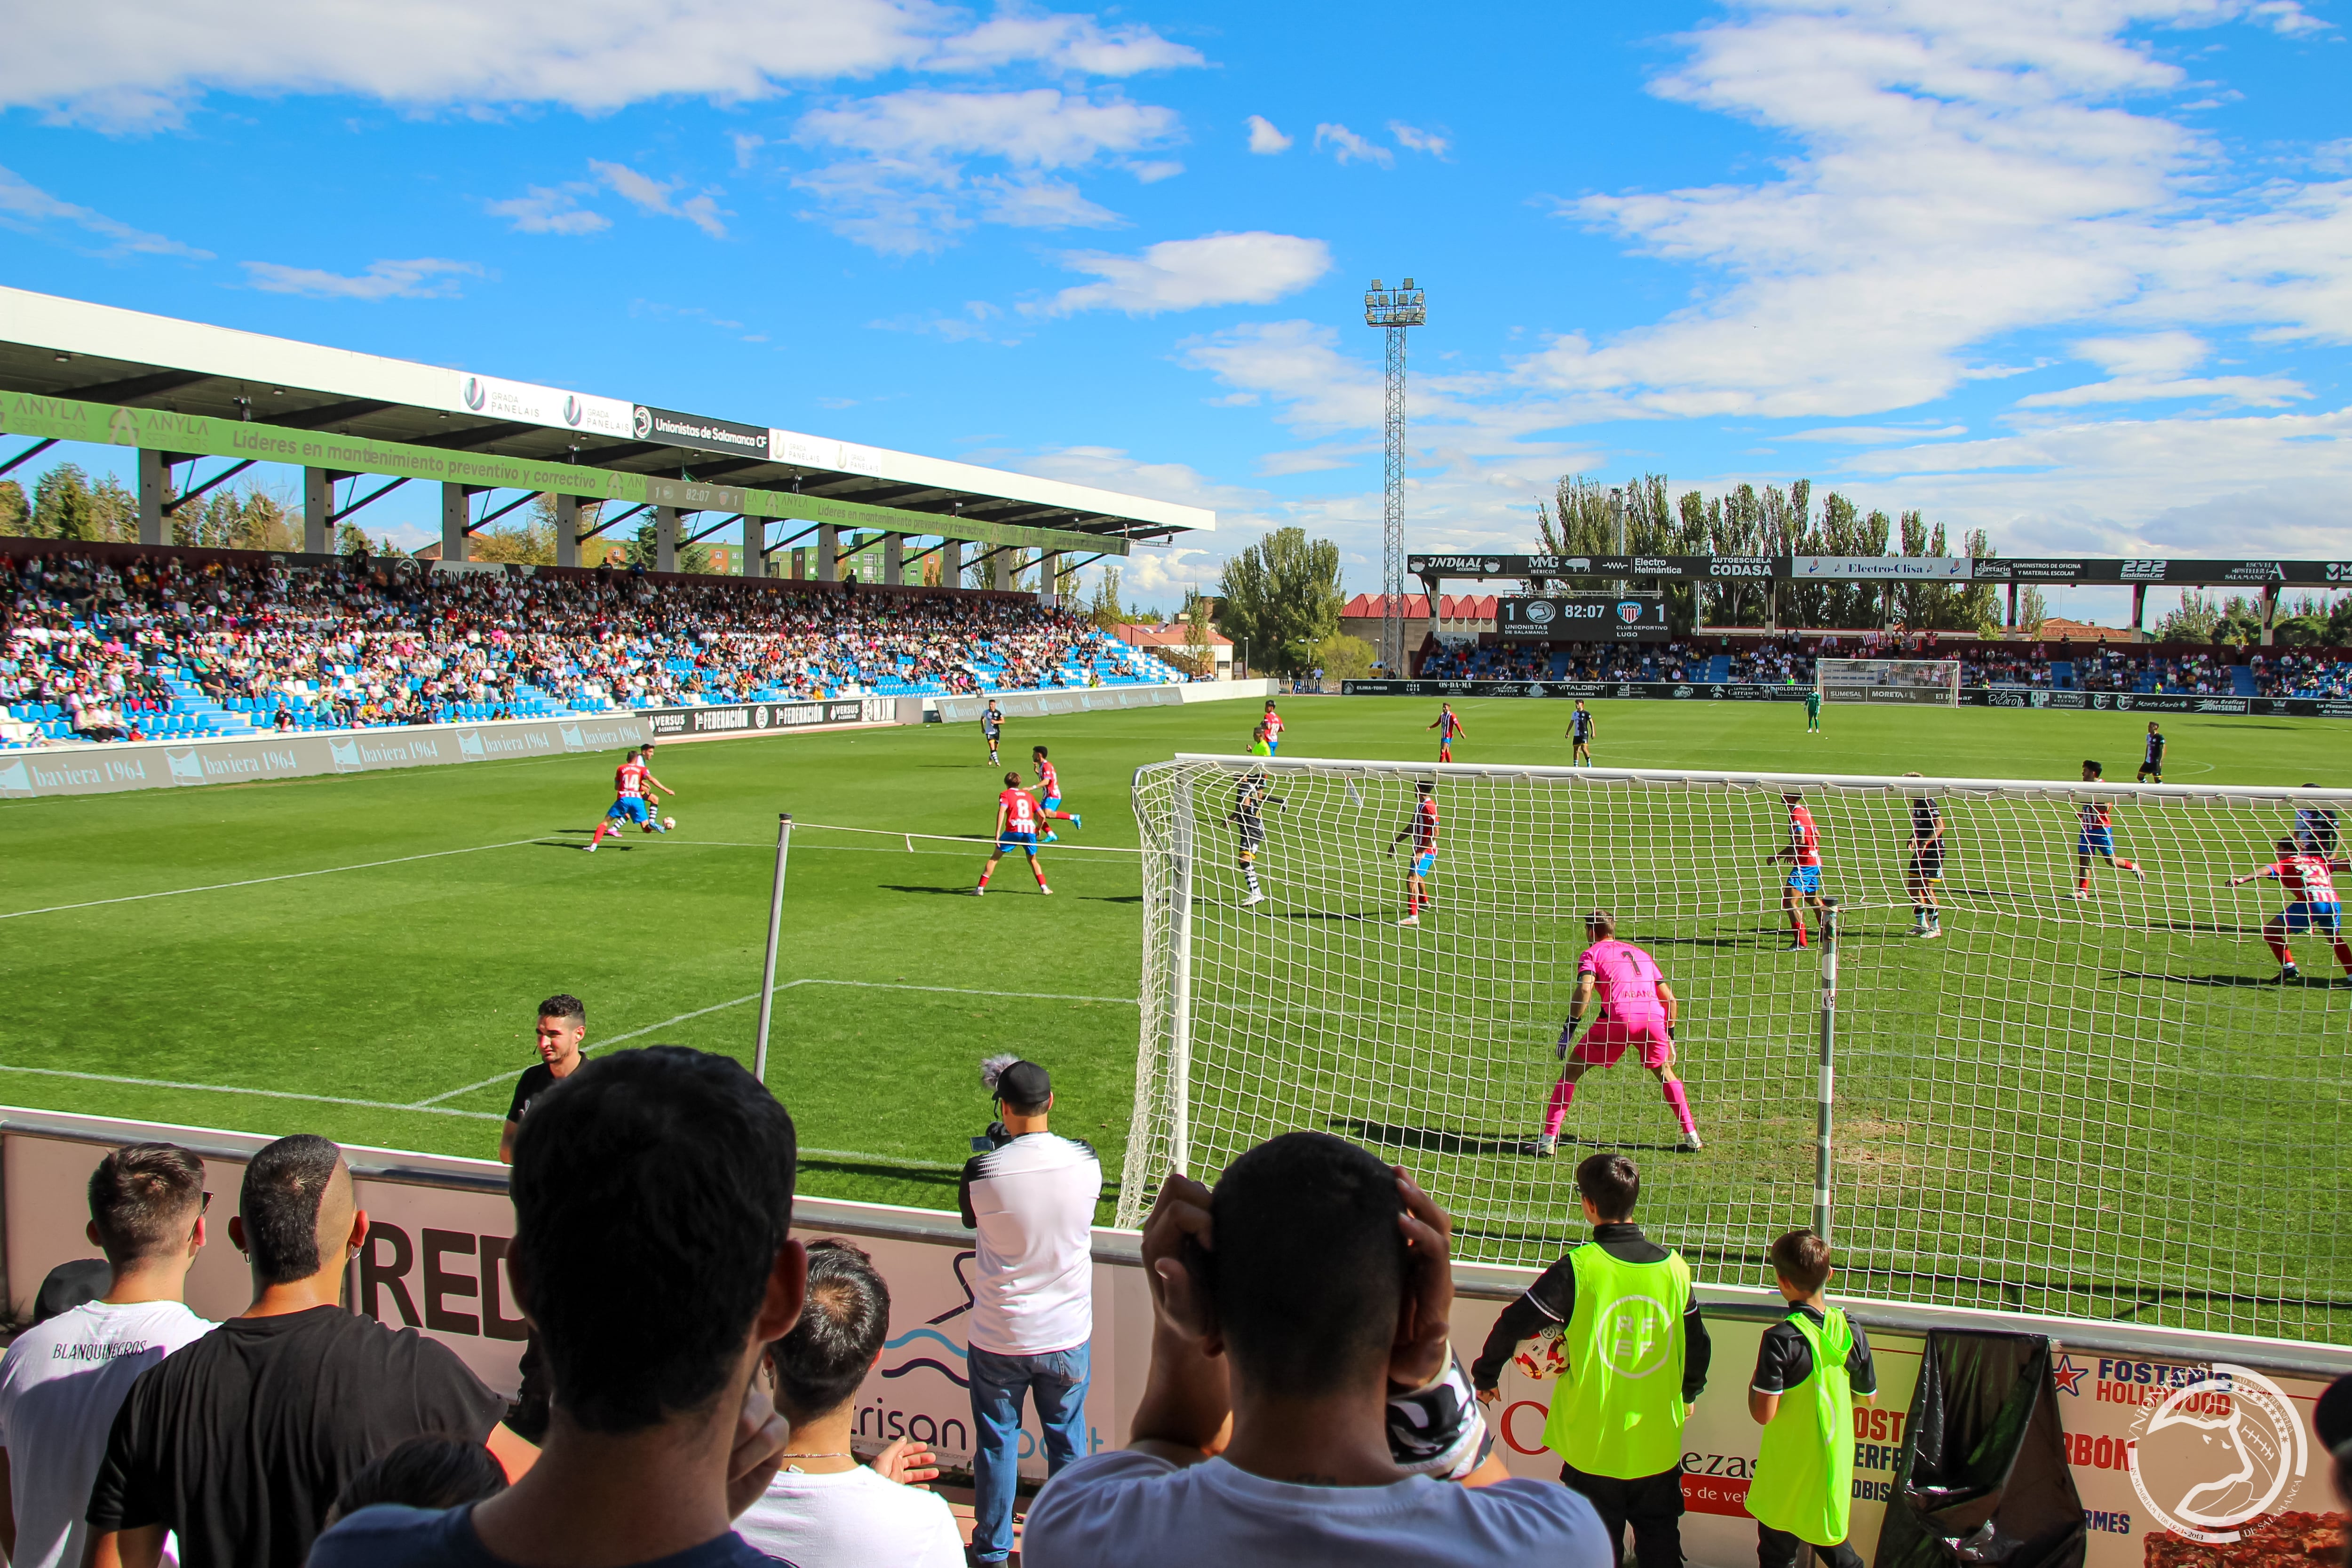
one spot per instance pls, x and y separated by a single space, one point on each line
942 892
2254 982
1446 1141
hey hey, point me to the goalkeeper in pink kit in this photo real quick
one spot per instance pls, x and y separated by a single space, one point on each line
1636 1008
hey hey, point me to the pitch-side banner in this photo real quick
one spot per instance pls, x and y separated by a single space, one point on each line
755 718
1076 699
2188 573
2137 1424
1886 569
1669 691
163 764
1970 697
1582 618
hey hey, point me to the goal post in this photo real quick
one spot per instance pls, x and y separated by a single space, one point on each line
1888 680
2093 1107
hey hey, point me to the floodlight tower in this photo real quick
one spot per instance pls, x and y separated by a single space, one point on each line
1394 309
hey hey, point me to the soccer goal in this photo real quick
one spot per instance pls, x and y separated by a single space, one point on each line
1888 680
2097 1106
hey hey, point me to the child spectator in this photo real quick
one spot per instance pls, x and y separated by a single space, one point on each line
424 1472
1811 1367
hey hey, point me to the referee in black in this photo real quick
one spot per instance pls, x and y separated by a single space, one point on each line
563 1024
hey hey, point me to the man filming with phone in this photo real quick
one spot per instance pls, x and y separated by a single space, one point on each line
1031 1194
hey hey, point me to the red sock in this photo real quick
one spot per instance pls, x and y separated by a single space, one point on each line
1038 872
2127 865
2082 882
983 879
1799 922
2279 948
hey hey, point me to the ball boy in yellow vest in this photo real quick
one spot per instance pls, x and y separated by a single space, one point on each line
1636 1355
1809 1369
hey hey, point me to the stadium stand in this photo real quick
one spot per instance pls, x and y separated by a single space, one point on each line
164 643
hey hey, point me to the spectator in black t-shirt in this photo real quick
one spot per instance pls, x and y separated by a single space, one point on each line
652 1196
563 1024
242 1441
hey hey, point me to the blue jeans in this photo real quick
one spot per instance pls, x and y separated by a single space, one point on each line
1059 1382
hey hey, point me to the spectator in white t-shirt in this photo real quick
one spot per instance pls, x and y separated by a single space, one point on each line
1032 1196
824 1509
1288 1306
66 1378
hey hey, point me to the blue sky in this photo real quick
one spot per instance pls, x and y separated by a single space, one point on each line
2075 271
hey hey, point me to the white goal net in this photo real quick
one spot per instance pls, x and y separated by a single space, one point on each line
1888 680
2103 1106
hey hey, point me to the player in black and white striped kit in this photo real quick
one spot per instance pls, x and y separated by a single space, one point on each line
2151 756
1248 816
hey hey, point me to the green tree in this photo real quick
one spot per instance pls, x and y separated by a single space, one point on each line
15 512
1282 595
2032 610
2196 620
645 549
1342 657
1586 517
1196 633
61 509
1104 610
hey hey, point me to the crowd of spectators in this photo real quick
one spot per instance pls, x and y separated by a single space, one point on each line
1569 662
2292 672
373 642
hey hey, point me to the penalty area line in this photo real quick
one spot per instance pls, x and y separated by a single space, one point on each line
263 1093
781 988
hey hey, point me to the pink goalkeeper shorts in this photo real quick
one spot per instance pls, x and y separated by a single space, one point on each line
1606 1041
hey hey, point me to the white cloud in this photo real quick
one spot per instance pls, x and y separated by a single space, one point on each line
141 64
1265 140
1414 140
659 197
26 207
900 181
2148 368
1347 147
426 278
1251 268
1067 43
1962 174
1873 434
542 210
1297 363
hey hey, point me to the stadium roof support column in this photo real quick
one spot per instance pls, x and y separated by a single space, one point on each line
154 478
828 553
1049 563
665 539
951 564
1003 580
2270 613
567 531
453 507
894 559
318 503
2139 612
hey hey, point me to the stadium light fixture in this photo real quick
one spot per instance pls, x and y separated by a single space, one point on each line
1393 309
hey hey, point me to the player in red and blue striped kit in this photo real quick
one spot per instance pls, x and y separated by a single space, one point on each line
1016 829
1422 830
631 781
1049 791
2310 881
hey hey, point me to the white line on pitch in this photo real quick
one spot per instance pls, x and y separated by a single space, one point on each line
258 881
782 987
263 1094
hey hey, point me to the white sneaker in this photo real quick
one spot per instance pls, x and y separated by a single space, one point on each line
2078 893
1540 1146
1410 920
1690 1144
1044 889
980 892
1932 931
1253 898
2139 871
592 849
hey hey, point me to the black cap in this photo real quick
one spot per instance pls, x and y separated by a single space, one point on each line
2331 1416
1016 1082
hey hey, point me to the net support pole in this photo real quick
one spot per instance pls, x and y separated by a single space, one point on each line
1827 1099
1179 990
775 929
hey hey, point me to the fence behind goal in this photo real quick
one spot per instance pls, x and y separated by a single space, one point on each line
1888 680
2102 1107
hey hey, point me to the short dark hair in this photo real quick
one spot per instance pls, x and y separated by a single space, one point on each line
1307 1264
564 1005
140 1199
1802 1258
431 1471
2091 767
1012 780
1611 1184
1036 751
284 1182
1601 920
821 1362
652 1190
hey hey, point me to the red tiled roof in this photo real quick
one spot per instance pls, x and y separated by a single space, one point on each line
1450 607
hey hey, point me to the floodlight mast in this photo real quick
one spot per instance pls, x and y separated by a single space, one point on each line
1396 309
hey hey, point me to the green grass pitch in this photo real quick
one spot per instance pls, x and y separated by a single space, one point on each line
359 956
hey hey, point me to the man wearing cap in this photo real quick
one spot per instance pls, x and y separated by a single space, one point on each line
1031 1194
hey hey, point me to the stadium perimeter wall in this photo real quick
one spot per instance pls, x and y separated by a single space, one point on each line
1099 699
1971 697
439 1228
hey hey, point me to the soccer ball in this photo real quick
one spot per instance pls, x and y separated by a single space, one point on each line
668 823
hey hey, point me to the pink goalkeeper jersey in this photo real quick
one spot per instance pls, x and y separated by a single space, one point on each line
1627 979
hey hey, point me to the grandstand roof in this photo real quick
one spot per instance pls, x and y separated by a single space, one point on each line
57 347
